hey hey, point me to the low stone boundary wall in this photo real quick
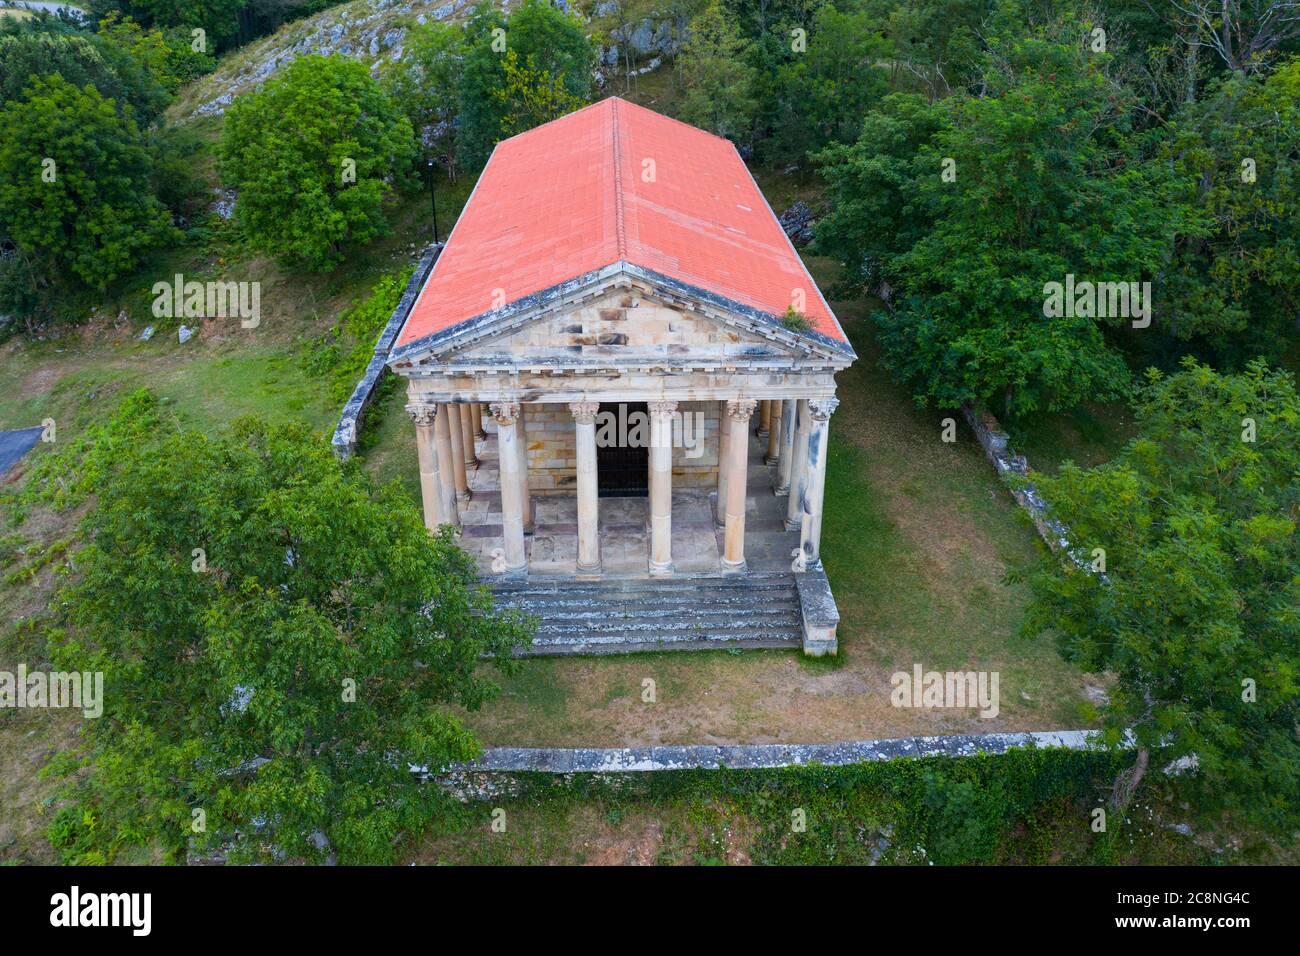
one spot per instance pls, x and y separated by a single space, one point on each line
345 433
758 756
995 442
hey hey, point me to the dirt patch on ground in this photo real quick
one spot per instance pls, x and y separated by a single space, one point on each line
636 844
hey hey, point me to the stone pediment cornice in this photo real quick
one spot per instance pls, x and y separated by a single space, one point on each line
448 348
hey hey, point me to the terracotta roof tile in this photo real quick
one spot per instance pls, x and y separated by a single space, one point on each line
614 182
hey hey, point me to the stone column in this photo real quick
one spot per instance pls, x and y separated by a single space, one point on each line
661 486
430 493
774 434
448 513
584 418
798 467
814 491
724 443
523 473
479 433
512 515
787 448
457 437
738 414
467 436
764 419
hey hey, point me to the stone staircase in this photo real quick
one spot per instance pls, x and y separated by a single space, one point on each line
682 613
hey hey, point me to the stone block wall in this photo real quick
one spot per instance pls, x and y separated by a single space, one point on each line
552 450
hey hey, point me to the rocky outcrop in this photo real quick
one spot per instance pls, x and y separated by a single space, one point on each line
798 222
372 31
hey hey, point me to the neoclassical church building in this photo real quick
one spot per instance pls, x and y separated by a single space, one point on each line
621 377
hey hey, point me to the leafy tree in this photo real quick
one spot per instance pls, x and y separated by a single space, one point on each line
1042 176
170 58
1237 289
74 183
1198 609
425 82
718 82
825 91
553 63
314 154
531 97
219 19
284 684
28 52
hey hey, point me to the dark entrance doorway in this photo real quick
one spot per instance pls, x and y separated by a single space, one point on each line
623 469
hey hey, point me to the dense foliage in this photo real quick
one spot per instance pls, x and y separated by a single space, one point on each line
75 183
314 155
1196 606
280 641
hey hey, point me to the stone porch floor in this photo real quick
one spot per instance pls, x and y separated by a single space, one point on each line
624 537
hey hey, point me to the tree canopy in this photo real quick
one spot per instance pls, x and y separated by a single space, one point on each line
314 155
1195 604
75 190
280 640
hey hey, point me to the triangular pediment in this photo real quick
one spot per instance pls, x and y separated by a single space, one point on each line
621 318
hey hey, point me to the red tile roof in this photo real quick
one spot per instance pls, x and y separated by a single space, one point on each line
614 182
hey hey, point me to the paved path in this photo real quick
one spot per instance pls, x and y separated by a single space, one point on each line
13 445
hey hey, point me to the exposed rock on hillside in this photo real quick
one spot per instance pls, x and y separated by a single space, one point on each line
372 31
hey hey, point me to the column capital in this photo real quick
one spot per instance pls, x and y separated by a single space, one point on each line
822 408
742 410
506 413
422 415
661 409
584 413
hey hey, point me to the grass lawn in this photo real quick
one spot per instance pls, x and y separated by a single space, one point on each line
918 537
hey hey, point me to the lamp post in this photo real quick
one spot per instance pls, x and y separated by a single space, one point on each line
433 200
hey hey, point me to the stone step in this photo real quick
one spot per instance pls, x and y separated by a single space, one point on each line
679 613
632 643
650 604
712 622
740 584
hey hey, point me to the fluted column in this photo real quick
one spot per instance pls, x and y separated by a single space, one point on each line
512 515
814 491
798 467
524 494
786 452
774 434
724 459
479 433
584 421
738 414
467 436
764 418
457 438
426 452
661 486
448 511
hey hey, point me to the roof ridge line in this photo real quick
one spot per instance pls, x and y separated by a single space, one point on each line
620 233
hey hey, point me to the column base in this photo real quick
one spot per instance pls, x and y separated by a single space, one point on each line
782 493
588 573
768 460
480 435
762 433
739 567
463 496
661 570
800 566
793 525
473 464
